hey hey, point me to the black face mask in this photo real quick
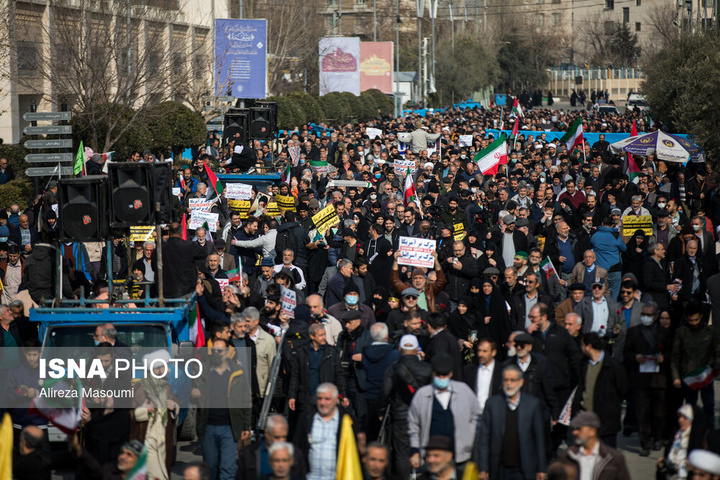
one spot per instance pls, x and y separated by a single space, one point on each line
464 202
376 301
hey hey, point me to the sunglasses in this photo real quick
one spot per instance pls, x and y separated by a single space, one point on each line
411 297
218 351
597 287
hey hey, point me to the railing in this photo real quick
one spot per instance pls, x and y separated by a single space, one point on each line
618 81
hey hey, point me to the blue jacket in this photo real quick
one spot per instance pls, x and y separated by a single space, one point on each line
376 359
607 245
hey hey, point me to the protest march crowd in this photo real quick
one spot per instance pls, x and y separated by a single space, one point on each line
459 317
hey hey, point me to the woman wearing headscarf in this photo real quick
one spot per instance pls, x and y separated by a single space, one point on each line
493 315
463 324
378 301
636 252
381 266
153 419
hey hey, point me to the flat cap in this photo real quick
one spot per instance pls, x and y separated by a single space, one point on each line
585 419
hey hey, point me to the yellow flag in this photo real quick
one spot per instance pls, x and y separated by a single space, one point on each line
348 462
471 472
6 446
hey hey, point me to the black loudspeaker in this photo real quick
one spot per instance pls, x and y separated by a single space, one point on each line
83 208
163 190
236 123
578 80
273 114
131 194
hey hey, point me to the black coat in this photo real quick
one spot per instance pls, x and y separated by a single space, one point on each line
248 463
655 279
180 261
636 343
400 383
470 378
458 281
330 371
517 314
610 389
539 383
498 329
563 354
446 342
683 270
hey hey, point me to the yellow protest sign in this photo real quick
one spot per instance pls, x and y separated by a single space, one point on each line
458 231
240 206
272 209
285 202
631 223
141 234
325 218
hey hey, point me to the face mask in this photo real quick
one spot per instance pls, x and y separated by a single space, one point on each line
97 342
3 239
376 301
512 351
646 320
463 157
302 161
696 228
377 175
661 205
216 360
441 383
352 300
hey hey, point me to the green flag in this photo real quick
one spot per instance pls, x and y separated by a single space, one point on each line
79 165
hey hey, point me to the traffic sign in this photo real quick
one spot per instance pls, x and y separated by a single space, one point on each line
49 144
47 171
46 116
51 130
49 158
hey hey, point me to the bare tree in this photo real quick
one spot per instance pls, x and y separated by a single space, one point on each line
7 52
109 61
596 32
663 21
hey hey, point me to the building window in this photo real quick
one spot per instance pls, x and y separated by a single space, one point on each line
609 4
637 26
609 27
557 2
626 14
27 57
540 20
359 2
539 1
638 3
555 19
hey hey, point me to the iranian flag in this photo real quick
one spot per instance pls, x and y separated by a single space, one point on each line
699 378
492 156
287 174
516 128
632 169
63 412
216 184
197 335
107 157
574 136
516 108
547 266
233 275
410 192
319 166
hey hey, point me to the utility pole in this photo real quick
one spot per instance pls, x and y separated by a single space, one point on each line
398 97
420 6
452 34
240 9
433 14
340 17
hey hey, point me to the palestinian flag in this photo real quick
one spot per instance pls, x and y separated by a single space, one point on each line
216 184
491 157
516 128
139 471
574 136
410 192
632 169
547 266
516 108
197 335
699 378
79 165
107 157
63 412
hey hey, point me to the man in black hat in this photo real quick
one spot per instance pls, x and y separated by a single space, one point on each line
351 302
446 407
351 342
439 459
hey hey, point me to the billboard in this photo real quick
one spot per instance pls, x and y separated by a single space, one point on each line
339 65
241 58
376 66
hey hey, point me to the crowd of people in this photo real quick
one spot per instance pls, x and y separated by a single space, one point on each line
542 331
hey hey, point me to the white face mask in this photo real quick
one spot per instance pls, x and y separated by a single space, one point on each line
646 320
697 228
512 351
661 205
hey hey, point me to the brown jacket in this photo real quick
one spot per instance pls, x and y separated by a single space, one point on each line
610 466
563 308
431 289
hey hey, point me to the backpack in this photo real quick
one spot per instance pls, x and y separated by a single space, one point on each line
285 240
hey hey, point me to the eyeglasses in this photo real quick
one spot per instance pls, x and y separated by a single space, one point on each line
410 297
626 292
597 287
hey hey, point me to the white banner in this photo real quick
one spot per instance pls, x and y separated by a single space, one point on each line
223 282
238 191
416 252
200 205
176 191
373 133
401 167
288 299
339 65
198 218
465 140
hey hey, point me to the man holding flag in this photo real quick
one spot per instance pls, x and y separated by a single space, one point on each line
574 136
491 157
